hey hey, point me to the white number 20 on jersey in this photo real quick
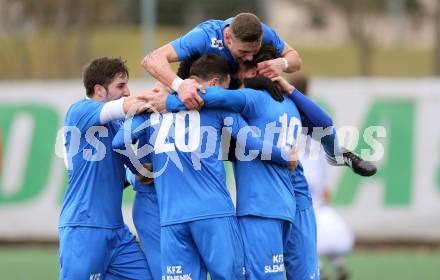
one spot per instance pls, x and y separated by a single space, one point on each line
162 146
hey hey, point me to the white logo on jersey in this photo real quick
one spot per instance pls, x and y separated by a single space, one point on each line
216 43
96 276
277 266
177 273
174 269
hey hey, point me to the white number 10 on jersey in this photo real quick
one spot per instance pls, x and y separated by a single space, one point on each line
289 131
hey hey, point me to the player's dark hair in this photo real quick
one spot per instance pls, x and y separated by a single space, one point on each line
185 66
209 66
264 83
266 52
102 71
246 27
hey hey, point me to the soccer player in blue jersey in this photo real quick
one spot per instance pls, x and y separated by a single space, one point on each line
301 258
237 39
199 230
94 241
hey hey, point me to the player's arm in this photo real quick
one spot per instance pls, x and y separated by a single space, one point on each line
214 98
248 102
157 63
292 57
130 132
282 157
132 105
313 114
289 61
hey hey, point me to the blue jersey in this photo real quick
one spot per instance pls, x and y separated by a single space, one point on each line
207 37
96 173
263 189
192 181
266 190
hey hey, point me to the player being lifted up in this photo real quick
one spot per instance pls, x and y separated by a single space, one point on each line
199 229
236 39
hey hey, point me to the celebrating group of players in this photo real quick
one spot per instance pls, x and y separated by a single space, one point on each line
228 86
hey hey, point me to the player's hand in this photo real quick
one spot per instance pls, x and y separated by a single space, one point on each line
293 158
155 98
138 103
271 68
187 93
283 84
145 180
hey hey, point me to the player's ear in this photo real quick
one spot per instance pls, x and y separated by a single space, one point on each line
228 36
214 82
99 91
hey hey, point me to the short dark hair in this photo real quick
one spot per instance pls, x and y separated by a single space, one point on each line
266 52
246 27
102 71
185 66
209 66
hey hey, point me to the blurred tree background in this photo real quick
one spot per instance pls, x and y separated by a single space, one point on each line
53 39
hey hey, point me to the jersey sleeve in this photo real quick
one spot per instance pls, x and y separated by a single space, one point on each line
194 42
130 131
271 37
277 155
144 148
312 115
214 98
87 114
128 134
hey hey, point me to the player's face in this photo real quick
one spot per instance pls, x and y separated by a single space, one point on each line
118 88
242 51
